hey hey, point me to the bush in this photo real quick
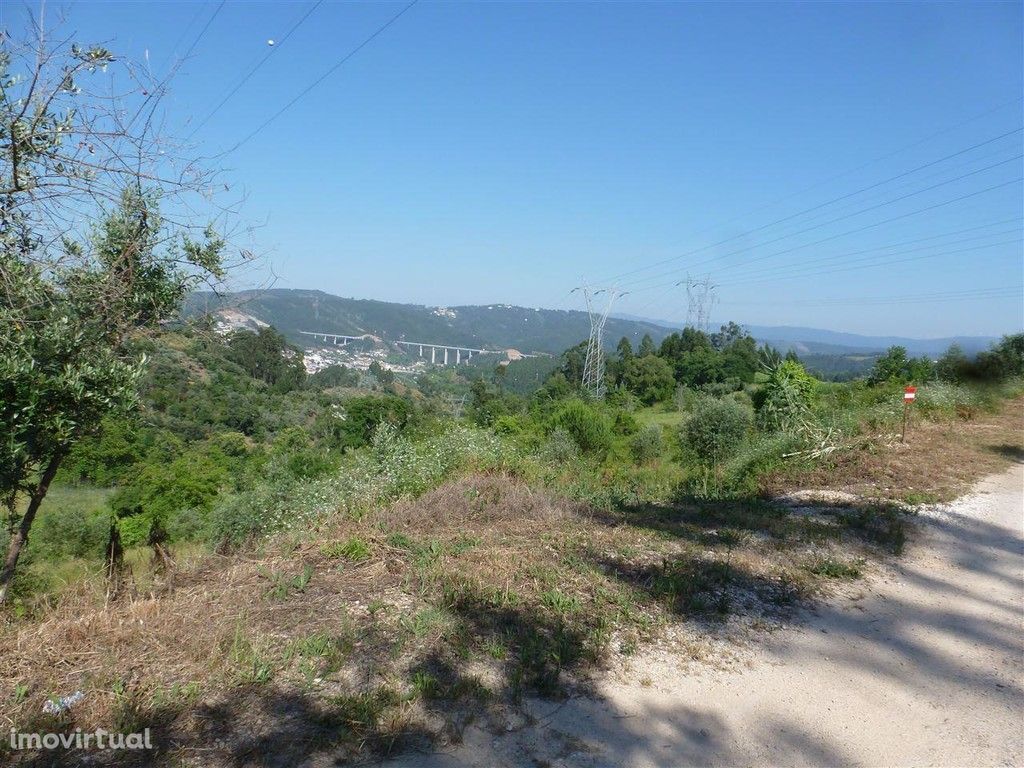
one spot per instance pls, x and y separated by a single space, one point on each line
361 416
625 424
785 400
647 445
559 448
716 430
393 467
587 426
508 425
73 524
944 400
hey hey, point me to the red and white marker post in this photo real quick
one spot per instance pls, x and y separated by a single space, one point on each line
909 394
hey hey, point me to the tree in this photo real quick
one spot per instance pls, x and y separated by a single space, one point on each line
892 366
953 364
268 357
1005 359
361 416
650 378
573 362
72 299
625 349
739 359
646 346
383 375
716 430
334 376
728 334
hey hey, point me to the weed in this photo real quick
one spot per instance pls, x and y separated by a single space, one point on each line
835 569
251 666
175 695
882 524
560 602
353 549
920 497
421 624
361 712
495 648
425 685
694 586
282 585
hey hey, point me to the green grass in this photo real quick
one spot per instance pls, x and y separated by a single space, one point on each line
353 549
836 569
659 415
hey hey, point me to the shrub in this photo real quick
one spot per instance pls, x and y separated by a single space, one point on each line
622 399
647 444
587 426
392 468
944 400
625 423
559 448
785 400
362 415
716 430
508 425
71 527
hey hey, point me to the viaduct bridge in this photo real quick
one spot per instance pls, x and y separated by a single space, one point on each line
457 353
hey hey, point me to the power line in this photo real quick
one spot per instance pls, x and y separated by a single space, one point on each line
344 59
816 207
202 32
185 31
248 75
994 292
160 87
863 228
835 257
771 274
838 218
885 262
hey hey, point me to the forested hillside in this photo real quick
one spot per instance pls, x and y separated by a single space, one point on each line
496 326
829 355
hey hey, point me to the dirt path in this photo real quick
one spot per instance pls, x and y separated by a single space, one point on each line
923 665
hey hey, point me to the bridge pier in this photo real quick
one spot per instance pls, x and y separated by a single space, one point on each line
446 355
433 354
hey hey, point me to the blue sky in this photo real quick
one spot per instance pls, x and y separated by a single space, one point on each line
505 152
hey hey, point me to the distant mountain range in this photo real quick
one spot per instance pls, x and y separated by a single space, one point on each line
821 341
502 326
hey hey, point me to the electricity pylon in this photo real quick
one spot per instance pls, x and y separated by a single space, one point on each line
593 368
700 298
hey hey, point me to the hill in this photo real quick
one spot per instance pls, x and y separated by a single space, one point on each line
493 326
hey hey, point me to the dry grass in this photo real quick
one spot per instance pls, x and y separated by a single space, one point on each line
939 461
399 626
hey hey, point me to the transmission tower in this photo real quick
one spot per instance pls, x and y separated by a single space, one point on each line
700 299
593 368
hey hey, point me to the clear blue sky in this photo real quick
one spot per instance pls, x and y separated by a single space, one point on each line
503 152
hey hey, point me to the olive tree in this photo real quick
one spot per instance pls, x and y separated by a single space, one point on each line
87 260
